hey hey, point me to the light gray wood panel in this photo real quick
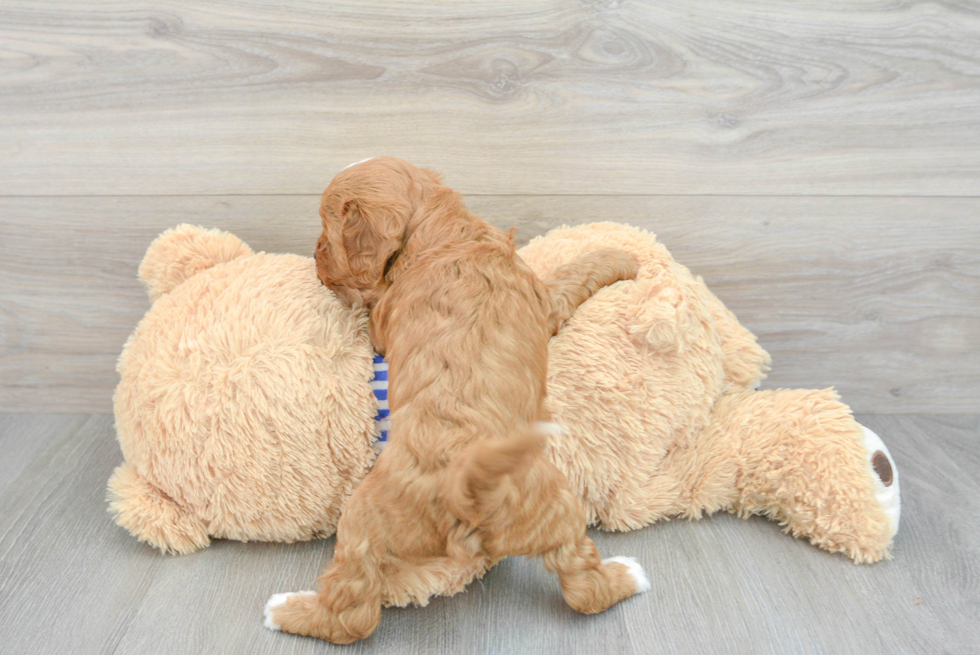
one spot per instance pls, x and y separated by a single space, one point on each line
74 582
879 297
729 97
68 581
24 435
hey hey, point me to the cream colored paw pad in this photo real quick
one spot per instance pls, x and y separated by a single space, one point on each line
885 476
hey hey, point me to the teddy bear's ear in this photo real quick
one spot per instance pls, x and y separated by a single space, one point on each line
669 318
184 251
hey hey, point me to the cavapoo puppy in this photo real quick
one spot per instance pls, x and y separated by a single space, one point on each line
463 482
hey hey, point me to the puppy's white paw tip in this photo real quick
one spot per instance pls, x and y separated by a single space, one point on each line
642 583
275 601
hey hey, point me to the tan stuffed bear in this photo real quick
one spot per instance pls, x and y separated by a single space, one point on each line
245 409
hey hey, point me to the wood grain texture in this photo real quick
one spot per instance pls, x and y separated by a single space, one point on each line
61 577
24 436
721 97
879 297
72 581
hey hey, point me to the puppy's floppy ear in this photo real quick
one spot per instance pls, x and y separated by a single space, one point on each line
325 260
372 234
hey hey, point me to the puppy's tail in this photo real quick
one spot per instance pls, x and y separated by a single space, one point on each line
482 483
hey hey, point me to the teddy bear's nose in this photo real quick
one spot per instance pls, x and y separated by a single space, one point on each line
883 467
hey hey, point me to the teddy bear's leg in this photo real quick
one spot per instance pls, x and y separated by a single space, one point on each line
152 516
800 458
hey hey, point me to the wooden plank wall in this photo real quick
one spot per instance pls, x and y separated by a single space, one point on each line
817 162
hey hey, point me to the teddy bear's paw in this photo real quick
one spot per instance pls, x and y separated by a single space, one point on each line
278 600
885 476
635 570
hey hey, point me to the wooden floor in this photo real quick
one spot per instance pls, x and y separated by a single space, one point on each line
71 581
817 162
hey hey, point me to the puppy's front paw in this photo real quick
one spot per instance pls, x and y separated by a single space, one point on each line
620 264
276 602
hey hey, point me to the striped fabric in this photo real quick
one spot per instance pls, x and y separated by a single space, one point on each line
380 386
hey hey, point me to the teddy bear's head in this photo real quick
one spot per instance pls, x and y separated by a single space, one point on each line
244 407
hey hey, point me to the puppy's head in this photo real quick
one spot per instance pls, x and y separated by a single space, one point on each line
366 213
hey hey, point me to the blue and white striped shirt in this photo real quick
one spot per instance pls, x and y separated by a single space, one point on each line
380 386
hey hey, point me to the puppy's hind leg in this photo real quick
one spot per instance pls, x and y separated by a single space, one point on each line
346 608
591 584
543 518
573 283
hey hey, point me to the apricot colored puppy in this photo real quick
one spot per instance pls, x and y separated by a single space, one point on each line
463 482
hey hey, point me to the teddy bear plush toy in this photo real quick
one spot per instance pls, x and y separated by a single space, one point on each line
247 406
